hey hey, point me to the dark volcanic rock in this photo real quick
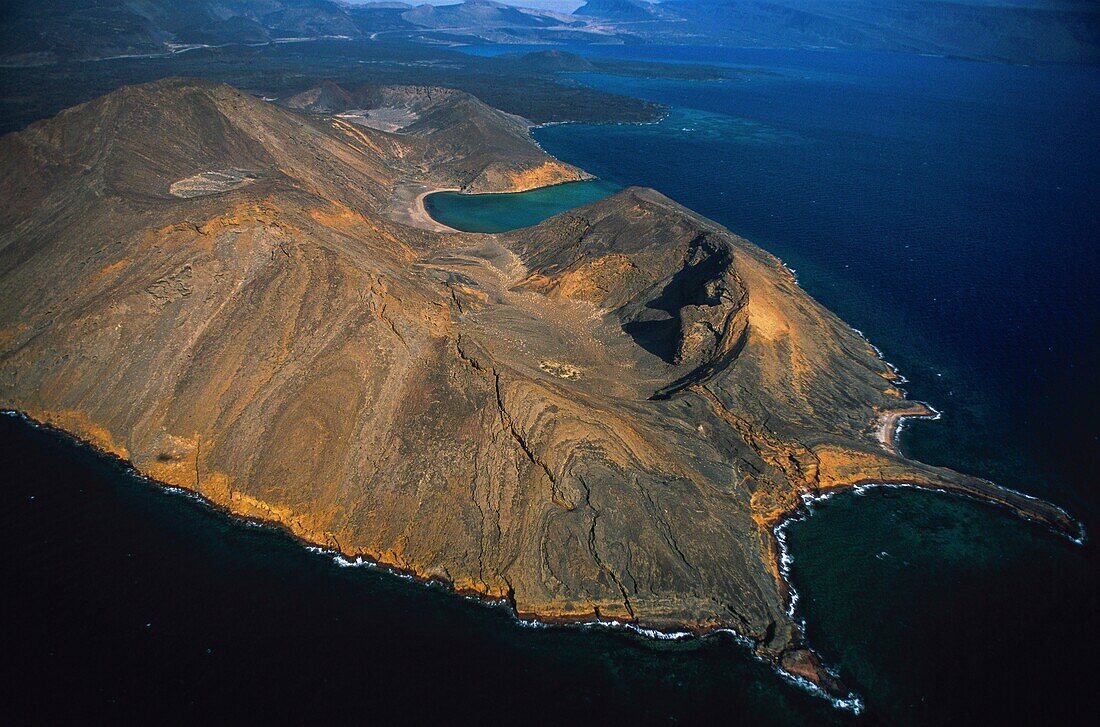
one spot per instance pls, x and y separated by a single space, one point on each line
604 416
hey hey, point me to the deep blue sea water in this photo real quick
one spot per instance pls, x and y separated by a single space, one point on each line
948 209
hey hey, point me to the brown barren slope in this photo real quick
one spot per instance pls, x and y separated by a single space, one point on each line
604 416
471 146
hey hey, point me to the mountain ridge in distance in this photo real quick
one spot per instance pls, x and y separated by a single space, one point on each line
1027 32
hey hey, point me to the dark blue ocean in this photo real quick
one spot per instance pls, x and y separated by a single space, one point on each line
946 208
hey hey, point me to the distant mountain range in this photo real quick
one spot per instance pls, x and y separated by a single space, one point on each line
1017 31
1022 31
45 30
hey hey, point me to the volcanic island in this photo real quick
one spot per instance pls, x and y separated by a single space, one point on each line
603 417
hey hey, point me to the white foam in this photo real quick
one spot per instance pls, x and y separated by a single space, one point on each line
654 634
659 635
867 487
356 562
739 638
851 703
933 416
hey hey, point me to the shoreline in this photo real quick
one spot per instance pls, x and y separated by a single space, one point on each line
406 207
805 509
422 214
890 423
414 212
807 671
849 702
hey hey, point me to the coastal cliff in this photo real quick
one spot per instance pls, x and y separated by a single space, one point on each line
605 416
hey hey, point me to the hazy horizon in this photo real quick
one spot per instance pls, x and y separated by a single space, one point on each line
558 6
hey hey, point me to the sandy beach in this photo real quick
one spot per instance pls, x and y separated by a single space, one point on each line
407 207
887 431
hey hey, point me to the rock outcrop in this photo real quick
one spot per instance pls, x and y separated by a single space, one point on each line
601 417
